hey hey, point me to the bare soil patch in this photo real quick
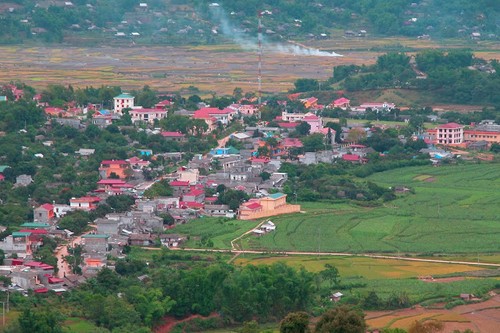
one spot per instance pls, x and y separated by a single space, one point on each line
481 317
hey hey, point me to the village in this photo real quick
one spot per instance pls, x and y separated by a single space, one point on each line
252 169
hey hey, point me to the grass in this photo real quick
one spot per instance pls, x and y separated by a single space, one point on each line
456 213
219 230
78 325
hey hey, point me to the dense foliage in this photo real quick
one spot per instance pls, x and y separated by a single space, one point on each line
191 21
447 75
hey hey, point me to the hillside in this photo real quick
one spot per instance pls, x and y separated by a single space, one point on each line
177 22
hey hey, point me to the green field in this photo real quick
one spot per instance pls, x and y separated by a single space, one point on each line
454 210
220 231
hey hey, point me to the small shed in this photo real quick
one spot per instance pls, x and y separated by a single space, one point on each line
336 296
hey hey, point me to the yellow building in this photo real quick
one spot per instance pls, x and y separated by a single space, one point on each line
272 205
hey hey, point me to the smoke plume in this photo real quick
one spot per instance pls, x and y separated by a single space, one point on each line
252 44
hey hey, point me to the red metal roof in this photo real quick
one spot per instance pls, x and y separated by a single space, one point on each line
190 204
179 183
351 157
341 100
288 125
194 192
85 199
253 205
47 206
55 280
111 182
41 290
172 134
114 162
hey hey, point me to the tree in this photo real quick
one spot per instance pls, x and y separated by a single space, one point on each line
331 274
38 321
120 203
371 301
75 221
342 319
295 322
303 128
159 189
304 85
314 142
431 326
75 259
356 135
265 175
250 327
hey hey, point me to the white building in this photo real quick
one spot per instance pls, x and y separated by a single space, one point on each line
123 101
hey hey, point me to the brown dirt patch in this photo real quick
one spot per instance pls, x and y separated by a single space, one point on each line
430 180
481 317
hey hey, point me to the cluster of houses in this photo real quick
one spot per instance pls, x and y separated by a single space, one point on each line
245 169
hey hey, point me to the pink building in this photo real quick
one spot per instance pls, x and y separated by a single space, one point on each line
451 133
342 103
314 121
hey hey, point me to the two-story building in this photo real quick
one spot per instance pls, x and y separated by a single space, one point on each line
147 115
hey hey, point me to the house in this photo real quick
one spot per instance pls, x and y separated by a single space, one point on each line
353 158
115 186
23 180
137 163
309 102
44 213
95 243
174 136
172 240
163 104
190 175
218 210
224 151
215 115
147 115
194 195
17 243
314 121
84 203
123 101
85 152
180 187
336 296
375 106
342 103
268 226
114 168
451 133
141 240
274 204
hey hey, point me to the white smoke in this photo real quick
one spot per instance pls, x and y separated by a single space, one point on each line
251 43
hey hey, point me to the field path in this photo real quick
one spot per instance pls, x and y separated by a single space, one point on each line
338 254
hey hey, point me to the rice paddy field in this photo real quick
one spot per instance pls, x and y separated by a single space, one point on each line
211 68
454 211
